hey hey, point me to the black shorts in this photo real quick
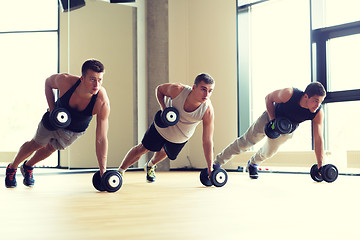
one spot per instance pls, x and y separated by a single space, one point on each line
154 142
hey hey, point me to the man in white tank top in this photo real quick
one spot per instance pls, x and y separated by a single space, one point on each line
194 106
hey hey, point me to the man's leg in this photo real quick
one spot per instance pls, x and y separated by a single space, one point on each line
132 157
40 155
269 149
253 135
25 151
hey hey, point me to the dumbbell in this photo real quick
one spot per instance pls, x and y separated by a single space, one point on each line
218 177
111 181
57 118
278 126
327 173
168 117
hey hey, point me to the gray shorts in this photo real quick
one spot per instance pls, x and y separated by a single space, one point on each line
59 139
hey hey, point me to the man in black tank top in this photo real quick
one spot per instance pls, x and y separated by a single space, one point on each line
83 97
290 103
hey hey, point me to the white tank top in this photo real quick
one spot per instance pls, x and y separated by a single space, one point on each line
185 128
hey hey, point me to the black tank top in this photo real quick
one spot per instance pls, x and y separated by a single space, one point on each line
292 109
80 120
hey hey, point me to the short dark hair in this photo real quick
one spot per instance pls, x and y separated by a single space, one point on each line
315 88
92 64
204 77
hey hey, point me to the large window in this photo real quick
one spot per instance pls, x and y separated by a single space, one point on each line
279 56
294 42
29 54
336 41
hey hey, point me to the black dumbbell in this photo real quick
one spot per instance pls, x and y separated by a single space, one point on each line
168 117
218 177
111 181
329 173
278 126
58 118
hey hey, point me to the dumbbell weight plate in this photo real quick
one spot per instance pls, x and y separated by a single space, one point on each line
157 119
270 132
96 180
170 116
204 178
314 173
111 180
329 173
60 118
283 125
218 177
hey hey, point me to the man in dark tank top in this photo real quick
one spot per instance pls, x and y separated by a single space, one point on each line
83 97
292 104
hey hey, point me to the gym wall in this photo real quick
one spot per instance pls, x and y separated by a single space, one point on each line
103 31
202 38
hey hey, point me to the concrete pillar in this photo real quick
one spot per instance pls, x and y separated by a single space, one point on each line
157 35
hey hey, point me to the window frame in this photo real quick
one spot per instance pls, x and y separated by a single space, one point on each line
320 37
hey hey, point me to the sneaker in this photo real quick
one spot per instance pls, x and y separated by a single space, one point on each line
27 172
253 171
10 180
150 172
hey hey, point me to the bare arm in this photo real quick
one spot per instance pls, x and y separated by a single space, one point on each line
317 123
61 82
102 126
207 138
278 96
169 90
50 84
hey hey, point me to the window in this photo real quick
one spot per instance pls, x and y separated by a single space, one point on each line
29 54
340 12
344 72
342 120
279 56
293 42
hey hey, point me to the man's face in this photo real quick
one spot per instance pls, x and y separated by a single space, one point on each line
93 81
314 102
203 91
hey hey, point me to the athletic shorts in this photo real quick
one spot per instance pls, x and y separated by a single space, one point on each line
59 139
154 142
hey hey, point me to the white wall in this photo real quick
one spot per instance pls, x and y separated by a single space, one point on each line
202 38
103 31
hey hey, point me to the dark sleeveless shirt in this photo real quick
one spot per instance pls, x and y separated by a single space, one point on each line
292 109
80 120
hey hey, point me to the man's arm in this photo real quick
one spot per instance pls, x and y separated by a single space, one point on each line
317 123
278 96
102 126
50 84
169 90
208 132
61 82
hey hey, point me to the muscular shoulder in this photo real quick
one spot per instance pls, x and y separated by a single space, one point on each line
209 113
281 95
63 81
102 105
171 89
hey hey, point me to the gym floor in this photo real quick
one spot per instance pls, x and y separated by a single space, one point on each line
177 206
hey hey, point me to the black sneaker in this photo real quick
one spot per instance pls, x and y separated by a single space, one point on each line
216 166
150 172
27 172
10 180
253 171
